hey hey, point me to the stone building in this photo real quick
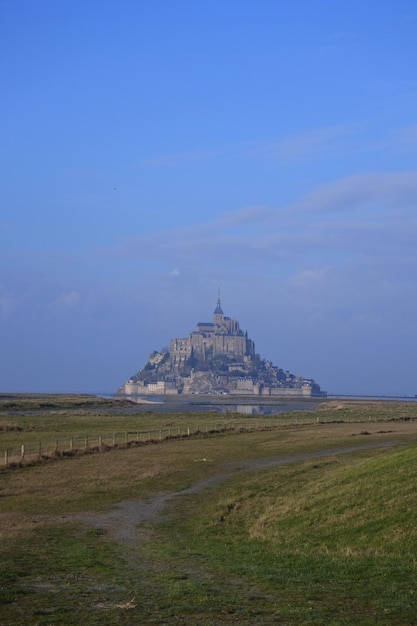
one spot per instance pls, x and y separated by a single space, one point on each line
216 358
222 336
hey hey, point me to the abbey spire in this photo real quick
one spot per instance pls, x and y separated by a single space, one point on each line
216 358
218 316
218 308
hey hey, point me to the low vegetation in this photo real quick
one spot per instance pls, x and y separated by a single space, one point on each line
323 538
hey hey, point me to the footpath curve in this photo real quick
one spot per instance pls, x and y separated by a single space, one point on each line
130 521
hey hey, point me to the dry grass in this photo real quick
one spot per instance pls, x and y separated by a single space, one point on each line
9 427
219 546
94 482
124 606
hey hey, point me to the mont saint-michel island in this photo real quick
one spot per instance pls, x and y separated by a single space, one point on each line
217 358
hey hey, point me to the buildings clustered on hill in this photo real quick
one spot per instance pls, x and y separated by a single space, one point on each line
216 358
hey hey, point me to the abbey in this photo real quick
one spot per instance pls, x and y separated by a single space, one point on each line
216 358
210 339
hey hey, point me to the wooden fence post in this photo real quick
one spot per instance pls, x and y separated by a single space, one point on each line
22 451
40 450
6 457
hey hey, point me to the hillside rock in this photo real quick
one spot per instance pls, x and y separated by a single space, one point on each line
216 358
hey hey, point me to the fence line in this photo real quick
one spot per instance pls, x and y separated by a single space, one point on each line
72 445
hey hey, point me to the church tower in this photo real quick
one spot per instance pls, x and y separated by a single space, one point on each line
218 316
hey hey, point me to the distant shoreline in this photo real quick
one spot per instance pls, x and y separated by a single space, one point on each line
207 399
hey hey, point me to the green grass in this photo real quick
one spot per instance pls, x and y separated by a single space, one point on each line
326 543
330 540
49 421
59 576
30 420
39 401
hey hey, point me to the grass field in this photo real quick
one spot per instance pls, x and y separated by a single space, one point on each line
288 525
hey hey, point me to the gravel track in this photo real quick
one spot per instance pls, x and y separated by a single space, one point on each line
130 521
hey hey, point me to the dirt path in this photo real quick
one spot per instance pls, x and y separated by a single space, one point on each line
130 521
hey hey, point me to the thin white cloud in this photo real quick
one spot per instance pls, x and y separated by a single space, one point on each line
309 278
364 216
14 297
308 145
406 138
180 158
313 144
69 300
368 191
7 305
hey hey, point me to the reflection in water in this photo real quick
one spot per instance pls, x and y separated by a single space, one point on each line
250 409
246 409
161 404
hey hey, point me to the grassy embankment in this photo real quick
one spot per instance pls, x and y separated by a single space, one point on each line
46 423
330 540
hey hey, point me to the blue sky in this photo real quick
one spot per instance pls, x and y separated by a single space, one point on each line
154 151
